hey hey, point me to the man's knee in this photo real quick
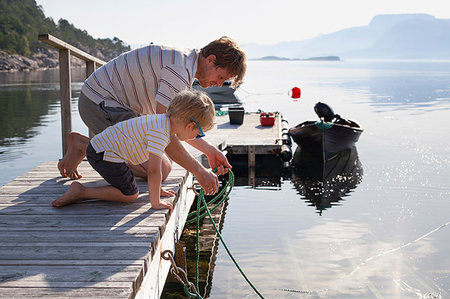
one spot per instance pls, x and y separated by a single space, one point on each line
131 198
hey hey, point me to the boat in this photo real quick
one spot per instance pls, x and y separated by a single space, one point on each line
222 96
328 136
324 184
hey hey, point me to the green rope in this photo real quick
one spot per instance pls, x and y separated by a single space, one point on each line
222 195
201 199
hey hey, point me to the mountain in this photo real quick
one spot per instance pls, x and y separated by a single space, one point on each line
401 36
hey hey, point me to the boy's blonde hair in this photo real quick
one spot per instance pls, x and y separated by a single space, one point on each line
229 56
196 104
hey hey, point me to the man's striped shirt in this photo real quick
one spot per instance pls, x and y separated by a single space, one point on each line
139 79
134 139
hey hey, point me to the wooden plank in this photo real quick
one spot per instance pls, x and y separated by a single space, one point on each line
78 221
70 292
76 252
44 262
59 44
147 235
45 275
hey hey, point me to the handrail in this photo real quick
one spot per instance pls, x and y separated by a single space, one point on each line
59 44
65 50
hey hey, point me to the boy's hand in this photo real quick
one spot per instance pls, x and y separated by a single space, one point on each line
163 205
167 192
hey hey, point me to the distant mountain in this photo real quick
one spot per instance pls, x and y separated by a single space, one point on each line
403 36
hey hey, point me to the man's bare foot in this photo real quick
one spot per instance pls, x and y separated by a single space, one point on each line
76 151
71 196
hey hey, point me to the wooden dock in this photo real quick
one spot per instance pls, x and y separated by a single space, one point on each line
102 249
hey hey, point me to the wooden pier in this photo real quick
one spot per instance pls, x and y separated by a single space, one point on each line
101 249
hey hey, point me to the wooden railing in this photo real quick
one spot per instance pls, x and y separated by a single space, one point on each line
65 51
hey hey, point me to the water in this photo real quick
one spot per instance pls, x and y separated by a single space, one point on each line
30 128
386 237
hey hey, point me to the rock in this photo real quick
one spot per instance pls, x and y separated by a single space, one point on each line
42 58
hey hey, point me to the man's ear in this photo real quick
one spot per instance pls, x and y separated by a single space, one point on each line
210 59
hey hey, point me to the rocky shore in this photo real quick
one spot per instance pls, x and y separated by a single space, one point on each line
41 59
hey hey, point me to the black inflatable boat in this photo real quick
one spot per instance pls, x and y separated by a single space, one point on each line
328 136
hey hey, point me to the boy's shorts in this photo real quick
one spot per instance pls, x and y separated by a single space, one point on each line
98 117
118 175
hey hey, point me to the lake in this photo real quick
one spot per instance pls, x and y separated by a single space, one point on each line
385 237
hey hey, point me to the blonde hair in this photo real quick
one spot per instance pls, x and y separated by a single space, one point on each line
229 56
196 104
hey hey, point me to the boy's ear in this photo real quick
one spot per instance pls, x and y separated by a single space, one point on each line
190 125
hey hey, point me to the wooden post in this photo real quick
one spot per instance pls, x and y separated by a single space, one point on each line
65 94
90 68
65 50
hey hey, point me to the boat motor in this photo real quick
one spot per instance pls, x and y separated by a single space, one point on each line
324 111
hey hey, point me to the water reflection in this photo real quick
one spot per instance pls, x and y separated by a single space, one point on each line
208 246
323 185
26 98
22 110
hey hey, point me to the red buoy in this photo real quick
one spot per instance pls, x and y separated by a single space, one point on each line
296 92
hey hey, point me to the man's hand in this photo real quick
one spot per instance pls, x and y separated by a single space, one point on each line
218 160
208 180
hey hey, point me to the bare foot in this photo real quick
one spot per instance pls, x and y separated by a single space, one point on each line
76 151
71 196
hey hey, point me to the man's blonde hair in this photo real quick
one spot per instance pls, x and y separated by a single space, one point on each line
229 56
196 104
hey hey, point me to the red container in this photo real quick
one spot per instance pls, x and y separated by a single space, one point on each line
267 119
296 93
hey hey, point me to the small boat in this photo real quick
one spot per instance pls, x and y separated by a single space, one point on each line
327 137
221 96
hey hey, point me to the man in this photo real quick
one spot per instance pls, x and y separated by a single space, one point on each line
144 81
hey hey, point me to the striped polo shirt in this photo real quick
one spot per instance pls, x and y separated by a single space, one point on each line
132 140
139 79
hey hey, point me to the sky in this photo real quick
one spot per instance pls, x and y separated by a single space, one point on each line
193 24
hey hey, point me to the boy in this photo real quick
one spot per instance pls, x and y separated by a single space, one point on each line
138 140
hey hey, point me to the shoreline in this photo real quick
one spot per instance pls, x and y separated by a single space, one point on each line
43 59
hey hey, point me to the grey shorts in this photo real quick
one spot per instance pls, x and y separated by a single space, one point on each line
97 117
118 175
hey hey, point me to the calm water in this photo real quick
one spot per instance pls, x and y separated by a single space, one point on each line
385 237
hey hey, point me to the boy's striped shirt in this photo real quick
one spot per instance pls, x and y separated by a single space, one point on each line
139 79
132 140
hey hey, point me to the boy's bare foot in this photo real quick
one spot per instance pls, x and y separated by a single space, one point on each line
71 196
76 151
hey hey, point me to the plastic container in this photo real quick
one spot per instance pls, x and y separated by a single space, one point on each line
236 115
267 119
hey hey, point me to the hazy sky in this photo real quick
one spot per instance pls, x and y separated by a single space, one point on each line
192 24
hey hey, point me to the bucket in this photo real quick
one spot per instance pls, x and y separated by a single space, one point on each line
236 115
